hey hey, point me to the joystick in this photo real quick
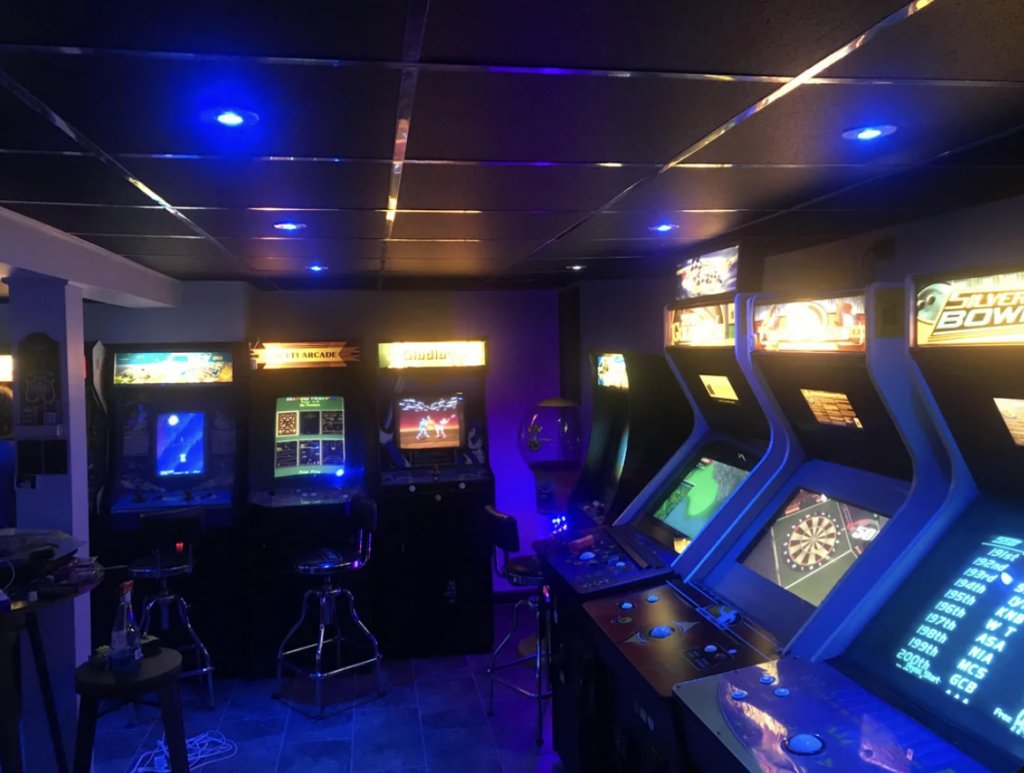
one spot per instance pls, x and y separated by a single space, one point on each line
188 495
137 497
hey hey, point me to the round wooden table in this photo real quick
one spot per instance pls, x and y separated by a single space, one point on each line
24 615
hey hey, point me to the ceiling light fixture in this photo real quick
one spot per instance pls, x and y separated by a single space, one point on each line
317 268
868 133
663 228
576 268
230 117
289 226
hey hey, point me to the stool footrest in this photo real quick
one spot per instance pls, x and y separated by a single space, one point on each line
512 686
299 671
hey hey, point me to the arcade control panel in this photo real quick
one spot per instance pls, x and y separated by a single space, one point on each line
596 559
669 640
426 479
140 501
302 497
796 715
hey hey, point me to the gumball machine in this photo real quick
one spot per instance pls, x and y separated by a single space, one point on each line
550 444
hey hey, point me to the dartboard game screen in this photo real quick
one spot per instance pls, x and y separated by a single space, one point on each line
309 436
430 421
811 542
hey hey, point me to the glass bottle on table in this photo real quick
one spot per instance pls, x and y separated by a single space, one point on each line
125 640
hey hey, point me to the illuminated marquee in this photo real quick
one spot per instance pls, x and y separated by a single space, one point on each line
820 325
336 354
433 354
711 274
173 368
972 311
6 368
701 326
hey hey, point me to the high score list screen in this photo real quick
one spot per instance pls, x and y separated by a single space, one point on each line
965 642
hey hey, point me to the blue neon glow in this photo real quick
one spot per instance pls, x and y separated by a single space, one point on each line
289 226
230 118
664 228
340 472
316 267
869 134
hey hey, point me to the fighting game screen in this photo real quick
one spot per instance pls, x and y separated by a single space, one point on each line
811 542
309 436
180 444
954 648
694 501
430 421
611 371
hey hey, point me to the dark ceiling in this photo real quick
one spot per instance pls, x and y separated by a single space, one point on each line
484 144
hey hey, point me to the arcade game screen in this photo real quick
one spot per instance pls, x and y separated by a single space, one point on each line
309 436
949 639
694 502
430 421
611 371
180 448
711 274
811 542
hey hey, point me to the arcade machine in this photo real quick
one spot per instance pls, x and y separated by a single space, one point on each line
638 423
308 451
805 546
432 572
175 443
730 437
920 676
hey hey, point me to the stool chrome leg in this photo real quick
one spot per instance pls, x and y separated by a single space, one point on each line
204 666
366 632
324 615
147 609
494 655
287 638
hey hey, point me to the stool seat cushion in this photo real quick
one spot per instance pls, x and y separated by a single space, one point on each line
152 674
327 561
170 566
524 570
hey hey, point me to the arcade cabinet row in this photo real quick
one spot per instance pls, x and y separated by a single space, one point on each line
282 482
825 574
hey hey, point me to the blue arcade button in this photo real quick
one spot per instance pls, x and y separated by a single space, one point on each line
651 599
767 679
587 555
661 632
805 744
626 605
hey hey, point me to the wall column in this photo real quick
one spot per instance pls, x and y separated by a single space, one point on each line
43 304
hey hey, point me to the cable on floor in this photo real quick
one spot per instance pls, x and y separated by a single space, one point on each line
203 750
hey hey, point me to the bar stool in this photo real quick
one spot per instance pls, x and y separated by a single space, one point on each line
157 674
169 535
521 572
328 563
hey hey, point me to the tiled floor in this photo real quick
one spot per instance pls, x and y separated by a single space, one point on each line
431 720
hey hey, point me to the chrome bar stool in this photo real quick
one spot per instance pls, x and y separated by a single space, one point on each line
169 535
328 563
521 572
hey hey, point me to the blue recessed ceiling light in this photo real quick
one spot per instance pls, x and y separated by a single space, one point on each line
230 117
289 226
576 267
664 228
317 268
868 133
